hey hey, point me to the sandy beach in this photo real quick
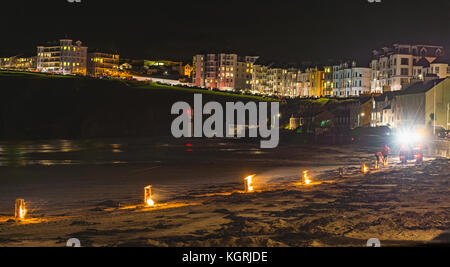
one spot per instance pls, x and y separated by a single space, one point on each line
201 202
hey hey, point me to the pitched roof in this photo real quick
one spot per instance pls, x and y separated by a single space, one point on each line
421 87
439 60
423 62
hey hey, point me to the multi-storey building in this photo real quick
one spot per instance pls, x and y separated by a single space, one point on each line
260 80
103 64
275 80
223 71
291 85
328 84
64 58
350 80
392 68
18 63
311 83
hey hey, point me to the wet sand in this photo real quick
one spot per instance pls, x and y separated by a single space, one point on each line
201 203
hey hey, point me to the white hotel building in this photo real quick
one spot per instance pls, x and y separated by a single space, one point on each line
350 80
64 58
393 68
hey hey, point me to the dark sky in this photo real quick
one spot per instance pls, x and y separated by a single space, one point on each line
290 31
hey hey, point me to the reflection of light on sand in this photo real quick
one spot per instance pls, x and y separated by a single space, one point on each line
219 194
32 220
164 206
307 185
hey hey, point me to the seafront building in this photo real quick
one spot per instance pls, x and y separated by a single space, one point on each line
19 63
226 72
349 80
103 64
394 68
65 57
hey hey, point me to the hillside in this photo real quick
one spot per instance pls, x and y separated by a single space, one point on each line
42 106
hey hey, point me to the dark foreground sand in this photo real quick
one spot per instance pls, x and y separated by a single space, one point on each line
400 205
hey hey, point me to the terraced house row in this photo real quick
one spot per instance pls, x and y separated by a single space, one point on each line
392 69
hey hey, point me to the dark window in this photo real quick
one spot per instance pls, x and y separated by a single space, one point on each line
405 61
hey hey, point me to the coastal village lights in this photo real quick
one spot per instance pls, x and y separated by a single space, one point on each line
20 209
306 178
148 196
249 184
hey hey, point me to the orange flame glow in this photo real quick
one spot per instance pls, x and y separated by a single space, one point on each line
148 196
20 209
364 168
249 184
306 178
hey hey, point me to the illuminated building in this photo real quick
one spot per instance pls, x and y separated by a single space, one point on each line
188 69
425 103
19 63
288 82
394 67
350 80
259 83
328 84
64 58
103 64
225 72
311 83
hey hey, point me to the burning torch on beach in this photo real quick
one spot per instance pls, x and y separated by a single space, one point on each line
148 197
20 210
249 184
306 178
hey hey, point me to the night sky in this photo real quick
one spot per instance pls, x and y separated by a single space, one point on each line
316 31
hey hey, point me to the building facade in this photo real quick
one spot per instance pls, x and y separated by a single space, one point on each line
260 80
350 80
423 104
64 58
393 68
103 64
19 63
226 72
311 83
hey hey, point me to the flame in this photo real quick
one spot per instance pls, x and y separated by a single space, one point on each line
21 210
150 202
364 168
306 178
249 184
148 196
22 213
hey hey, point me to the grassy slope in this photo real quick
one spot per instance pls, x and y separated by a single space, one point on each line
36 105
